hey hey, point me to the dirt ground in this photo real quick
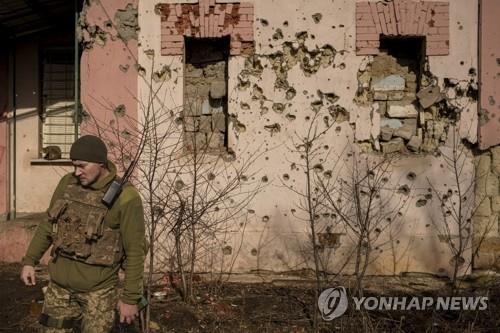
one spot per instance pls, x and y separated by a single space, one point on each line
280 305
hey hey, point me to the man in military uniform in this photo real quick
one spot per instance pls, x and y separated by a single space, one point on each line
90 241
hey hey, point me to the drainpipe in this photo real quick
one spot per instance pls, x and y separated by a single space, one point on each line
479 86
13 205
77 73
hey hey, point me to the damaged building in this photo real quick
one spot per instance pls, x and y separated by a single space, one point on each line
410 79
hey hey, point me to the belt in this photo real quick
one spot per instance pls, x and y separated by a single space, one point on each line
49 321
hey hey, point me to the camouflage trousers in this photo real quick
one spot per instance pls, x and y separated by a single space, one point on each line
93 312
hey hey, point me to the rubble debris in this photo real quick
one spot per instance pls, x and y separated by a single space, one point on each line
389 83
429 96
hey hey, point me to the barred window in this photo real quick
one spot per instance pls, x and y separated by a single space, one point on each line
59 121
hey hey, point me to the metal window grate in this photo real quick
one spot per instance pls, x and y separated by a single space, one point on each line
58 118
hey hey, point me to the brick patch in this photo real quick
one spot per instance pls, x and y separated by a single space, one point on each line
207 19
402 18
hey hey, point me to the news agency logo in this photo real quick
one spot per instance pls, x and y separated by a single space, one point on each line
333 303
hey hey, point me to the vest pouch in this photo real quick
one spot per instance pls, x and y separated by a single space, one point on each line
70 242
95 221
57 210
108 249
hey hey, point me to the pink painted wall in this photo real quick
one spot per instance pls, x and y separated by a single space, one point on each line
4 102
108 74
489 127
15 237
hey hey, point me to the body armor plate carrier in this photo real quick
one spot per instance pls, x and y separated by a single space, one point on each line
79 231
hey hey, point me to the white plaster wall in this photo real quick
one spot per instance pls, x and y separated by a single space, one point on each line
281 242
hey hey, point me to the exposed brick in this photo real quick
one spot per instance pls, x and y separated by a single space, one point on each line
368 44
172 51
363 10
440 17
173 45
235 44
392 14
366 30
382 23
202 27
421 19
246 10
221 17
441 23
172 18
246 5
178 10
416 18
397 10
428 17
191 17
367 24
410 11
436 52
409 17
387 16
367 51
169 31
445 30
215 24
235 52
442 8
362 7
211 25
437 45
201 8
244 24
167 24
373 8
172 38
207 24
432 31
246 34
246 17
228 30
402 13
363 16
437 38
367 36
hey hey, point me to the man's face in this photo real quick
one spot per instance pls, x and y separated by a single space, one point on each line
87 172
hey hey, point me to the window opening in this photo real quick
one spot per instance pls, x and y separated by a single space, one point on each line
205 111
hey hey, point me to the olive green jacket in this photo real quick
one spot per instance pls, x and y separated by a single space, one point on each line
127 214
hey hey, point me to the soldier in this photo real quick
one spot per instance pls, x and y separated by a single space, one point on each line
90 242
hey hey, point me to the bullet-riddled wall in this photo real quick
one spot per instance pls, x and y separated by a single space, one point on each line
299 59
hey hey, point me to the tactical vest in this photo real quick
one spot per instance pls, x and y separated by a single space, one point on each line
78 228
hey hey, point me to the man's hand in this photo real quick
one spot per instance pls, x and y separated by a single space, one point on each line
28 275
128 312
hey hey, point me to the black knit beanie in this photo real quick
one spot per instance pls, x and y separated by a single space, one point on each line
89 148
